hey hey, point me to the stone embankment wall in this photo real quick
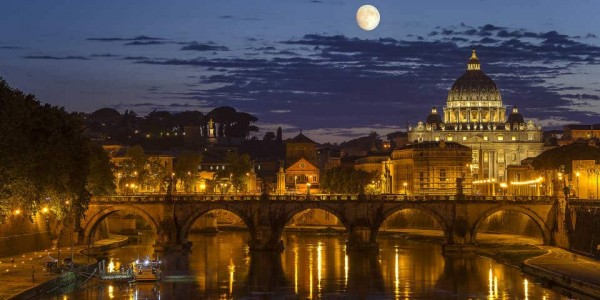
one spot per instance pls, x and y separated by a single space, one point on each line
585 236
19 234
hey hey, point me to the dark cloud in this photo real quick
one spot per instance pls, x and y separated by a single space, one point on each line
195 46
48 57
145 43
387 81
105 55
116 39
136 58
226 17
487 40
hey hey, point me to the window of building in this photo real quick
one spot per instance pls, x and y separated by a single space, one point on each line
485 138
450 138
464 138
530 136
514 138
442 174
501 138
437 138
421 176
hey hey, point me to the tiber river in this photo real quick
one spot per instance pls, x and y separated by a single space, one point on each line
314 266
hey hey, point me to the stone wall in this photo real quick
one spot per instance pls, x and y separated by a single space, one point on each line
19 234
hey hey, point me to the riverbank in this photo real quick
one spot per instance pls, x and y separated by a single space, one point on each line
573 274
23 276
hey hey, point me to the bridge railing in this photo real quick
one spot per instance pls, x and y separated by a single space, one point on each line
317 197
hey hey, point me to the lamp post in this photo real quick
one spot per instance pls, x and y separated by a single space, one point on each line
404 184
577 174
295 186
308 189
503 185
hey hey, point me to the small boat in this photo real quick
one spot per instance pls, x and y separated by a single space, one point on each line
125 276
147 270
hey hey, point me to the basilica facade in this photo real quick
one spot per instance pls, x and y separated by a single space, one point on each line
475 116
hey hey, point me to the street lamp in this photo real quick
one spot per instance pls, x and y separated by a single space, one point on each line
577 174
503 185
295 186
308 188
404 184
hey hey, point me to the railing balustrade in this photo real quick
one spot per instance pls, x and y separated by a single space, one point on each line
146 198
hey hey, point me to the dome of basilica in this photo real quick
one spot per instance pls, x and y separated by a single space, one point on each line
476 87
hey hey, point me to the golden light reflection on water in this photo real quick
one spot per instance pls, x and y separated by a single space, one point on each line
319 267
310 274
316 266
295 270
396 276
231 269
346 268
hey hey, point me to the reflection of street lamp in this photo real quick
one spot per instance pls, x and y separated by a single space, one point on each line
308 188
295 186
404 184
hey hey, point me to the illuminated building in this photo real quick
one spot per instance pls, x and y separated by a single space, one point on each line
475 116
427 168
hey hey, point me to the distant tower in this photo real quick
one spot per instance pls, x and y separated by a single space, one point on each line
279 135
281 181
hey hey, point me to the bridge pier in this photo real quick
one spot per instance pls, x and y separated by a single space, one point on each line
265 238
362 238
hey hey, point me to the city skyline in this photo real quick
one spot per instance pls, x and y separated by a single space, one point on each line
303 65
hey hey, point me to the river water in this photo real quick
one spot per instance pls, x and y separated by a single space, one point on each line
316 266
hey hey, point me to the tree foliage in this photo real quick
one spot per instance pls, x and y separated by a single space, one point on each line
45 159
342 180
186 166
237 169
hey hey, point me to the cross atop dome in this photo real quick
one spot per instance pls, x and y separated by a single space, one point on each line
473 64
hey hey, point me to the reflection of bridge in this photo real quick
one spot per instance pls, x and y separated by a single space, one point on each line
171 217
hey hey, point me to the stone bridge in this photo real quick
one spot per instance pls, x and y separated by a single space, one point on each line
171 217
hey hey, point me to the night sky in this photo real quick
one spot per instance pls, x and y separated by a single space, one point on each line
303 64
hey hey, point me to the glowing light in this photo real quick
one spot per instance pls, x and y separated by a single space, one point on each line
231 269
45 210
17 212
367 17
296 270
396 275
346 268
534 181
526 288
319 266
111 267
111 291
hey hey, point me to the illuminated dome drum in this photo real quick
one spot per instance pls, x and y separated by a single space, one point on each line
474 98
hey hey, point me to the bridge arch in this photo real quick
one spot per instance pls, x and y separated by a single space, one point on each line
539 221
290 214
92 224
196 214
421 208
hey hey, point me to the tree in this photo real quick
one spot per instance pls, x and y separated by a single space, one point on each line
45 159
345 180
186 166
238 167
279 135
101 179
269 136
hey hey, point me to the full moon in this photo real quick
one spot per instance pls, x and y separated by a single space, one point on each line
367 17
